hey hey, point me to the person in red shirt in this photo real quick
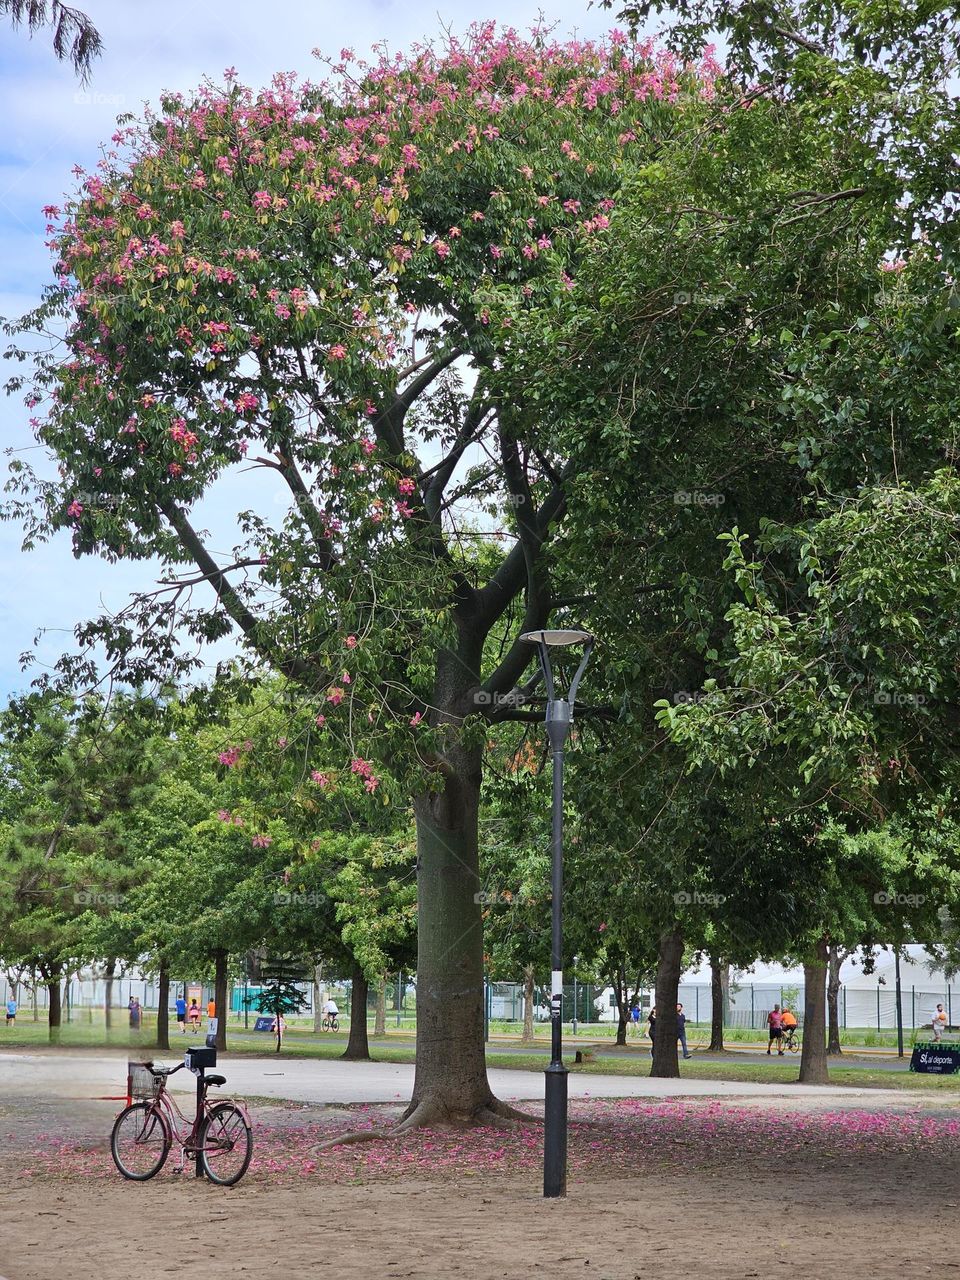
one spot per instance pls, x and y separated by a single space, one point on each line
775 1023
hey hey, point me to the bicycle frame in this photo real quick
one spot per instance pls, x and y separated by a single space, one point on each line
166 1109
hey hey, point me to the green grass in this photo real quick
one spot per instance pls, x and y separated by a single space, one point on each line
720 1068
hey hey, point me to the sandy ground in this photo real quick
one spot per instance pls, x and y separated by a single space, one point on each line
727 1189
832 1225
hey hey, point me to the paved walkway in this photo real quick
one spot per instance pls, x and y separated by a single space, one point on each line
76 1074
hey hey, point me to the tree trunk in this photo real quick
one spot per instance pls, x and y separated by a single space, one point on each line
835 960
620 994
451 1079
528 985
317 1002
108 974
718 991
813 1054
665 1062
54 1007
380 1019
358 1048
163 1006
220 996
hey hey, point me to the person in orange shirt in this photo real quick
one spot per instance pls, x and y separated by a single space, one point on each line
211 1009
788 1022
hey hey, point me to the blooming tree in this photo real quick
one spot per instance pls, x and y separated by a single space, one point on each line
306 281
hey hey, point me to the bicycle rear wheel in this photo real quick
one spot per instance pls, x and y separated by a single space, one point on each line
226 1144
140 1141
794 1045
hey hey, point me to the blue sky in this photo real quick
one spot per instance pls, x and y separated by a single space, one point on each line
51 123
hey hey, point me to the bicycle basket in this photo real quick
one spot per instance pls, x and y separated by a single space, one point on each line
142 1081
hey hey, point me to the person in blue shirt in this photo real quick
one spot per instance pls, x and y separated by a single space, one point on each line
11 1011
682 1031
181 1014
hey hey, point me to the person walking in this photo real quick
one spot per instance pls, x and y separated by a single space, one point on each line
11 1012
193 1015
211 1008
682 1031
939 1023
136 1013
651 1026
181 1014
775 1023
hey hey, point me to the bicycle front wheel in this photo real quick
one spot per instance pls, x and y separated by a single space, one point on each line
226 1144
140 1141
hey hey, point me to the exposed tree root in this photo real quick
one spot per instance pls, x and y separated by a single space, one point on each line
432 1115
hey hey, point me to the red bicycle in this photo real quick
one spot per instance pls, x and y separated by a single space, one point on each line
218 1138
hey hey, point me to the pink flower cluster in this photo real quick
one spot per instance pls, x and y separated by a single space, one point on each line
364 769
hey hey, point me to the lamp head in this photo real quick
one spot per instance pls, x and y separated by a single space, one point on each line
557 639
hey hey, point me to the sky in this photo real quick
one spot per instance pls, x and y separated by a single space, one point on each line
51 122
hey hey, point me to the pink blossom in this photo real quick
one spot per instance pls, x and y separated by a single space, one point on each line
406 485
262 842
335 696
415 719
496 251
351 642
321 721
261 200
441 248
337 352
345 678
229 757
75 509
321 779
403 509
224 815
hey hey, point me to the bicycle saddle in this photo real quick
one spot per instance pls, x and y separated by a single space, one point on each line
215 1079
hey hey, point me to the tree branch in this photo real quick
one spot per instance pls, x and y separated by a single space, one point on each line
294 667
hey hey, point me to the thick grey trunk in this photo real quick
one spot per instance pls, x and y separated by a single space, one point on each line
380 1017
528 985
220 996
358 1048
163 1006
813 1052
719 991
451 1077
835 960
54 1007
317 1002
108 974
665 1061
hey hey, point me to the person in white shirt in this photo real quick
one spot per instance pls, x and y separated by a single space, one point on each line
939 1022
330 1008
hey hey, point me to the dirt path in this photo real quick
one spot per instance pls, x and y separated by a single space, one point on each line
708 1227
712 1190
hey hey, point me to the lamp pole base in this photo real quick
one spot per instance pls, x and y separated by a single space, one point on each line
555 1132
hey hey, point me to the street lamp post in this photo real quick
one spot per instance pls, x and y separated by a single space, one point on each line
558 719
